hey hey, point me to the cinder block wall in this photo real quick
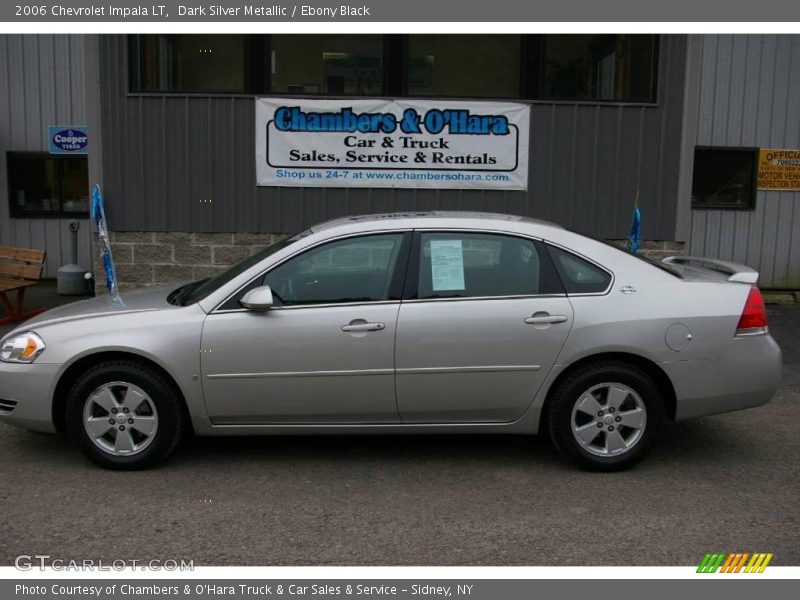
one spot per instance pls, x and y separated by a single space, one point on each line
145 259
656 250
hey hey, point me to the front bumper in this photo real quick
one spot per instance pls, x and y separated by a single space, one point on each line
746 374
29 389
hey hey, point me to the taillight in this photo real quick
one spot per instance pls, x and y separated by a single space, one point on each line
754 315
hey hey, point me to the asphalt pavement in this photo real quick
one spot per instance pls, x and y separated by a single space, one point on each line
726 483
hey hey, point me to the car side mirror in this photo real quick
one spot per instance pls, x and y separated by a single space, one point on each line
259 298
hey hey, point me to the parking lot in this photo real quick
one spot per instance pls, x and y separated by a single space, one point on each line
726 483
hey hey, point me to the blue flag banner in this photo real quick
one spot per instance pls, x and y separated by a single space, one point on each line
99 217
635 235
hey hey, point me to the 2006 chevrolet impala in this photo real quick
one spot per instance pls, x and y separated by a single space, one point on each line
403 323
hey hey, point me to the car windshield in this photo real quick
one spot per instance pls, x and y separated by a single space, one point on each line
197 290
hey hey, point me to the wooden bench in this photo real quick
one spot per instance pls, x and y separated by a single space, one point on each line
20 268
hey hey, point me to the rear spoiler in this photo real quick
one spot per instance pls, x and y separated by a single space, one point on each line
738 273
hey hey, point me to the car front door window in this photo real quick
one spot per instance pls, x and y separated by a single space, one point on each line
349 270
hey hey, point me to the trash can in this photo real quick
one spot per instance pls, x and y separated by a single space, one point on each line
72 279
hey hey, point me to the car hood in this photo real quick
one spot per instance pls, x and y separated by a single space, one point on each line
138 301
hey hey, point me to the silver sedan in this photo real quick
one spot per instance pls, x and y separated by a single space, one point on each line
403 323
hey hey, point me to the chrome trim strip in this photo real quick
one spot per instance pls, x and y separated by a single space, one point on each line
351 372
301 374
477 369
410 301
473 298
311 426
751 331
299 306
506 232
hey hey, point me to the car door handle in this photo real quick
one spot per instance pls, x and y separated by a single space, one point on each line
546 319
363 326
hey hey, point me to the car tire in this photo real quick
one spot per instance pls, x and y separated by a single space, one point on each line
140 409
605 416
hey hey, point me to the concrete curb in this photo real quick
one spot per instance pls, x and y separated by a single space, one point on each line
781 296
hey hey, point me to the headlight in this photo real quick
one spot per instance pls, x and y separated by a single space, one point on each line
22 348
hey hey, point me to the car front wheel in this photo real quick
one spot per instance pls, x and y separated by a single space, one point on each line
605 416
124 415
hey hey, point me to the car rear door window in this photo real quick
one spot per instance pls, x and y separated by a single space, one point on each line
578 275
461 265
357 269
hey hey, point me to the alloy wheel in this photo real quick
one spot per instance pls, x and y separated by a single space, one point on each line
608 419
120 418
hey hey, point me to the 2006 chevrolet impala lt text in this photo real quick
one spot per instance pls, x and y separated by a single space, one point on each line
403 323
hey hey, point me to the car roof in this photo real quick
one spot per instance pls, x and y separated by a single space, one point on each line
414 216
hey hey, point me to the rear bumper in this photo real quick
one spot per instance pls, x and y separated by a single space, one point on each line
29 390
745 375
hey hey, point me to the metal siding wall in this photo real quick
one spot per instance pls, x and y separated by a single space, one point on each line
164 154
41 84
750 96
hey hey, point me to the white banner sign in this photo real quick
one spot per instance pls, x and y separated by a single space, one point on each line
392 143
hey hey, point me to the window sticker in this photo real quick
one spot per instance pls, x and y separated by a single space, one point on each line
447 265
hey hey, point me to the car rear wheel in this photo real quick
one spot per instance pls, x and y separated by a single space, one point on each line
124 415
605 416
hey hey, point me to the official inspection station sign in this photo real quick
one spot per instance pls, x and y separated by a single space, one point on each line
392 143
779 169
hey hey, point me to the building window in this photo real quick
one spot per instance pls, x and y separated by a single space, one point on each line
464 65
197 63
583 68
724 177
43 185
335 65
612 68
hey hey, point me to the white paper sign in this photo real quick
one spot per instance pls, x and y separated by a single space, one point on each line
447 265
392 143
